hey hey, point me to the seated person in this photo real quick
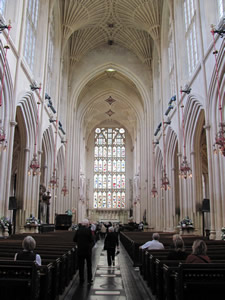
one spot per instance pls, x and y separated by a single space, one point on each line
198 255
178 251
27 253
154 244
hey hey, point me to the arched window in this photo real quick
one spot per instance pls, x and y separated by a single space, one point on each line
31 31
2 7
171 63
109 168
50 57
190 34
221 8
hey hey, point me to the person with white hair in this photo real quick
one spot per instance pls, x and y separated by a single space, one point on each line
110 244
27 253
84 241
154 244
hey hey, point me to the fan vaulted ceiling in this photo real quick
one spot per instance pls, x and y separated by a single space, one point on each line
90 24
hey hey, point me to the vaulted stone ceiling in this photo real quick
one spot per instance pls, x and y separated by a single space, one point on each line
133 24
90 24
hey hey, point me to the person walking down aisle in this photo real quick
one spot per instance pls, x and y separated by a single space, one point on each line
111 242
84 241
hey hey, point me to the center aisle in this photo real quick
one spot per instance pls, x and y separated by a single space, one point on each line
120 282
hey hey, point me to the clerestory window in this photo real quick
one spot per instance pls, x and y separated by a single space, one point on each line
31 31
2 7
50 58
221 8
109 168
171 64
190 34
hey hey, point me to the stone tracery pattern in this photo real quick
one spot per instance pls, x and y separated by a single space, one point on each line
132 24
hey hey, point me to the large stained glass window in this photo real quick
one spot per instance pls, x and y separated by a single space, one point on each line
109 168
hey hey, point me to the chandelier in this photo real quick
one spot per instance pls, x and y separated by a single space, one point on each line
53 180
154 191
185 169
165 181
34 167
219 145
65 190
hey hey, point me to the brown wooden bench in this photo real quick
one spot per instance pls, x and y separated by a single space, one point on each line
200 281
19 280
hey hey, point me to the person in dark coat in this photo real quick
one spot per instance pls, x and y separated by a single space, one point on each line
178 251
84 241
198 255
27 253
110 244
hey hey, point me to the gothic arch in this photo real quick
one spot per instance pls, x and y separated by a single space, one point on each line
47 155
172 196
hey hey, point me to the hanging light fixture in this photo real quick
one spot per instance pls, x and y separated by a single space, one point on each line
154 191
185 169
65 190
219 145
34 167
165 181
6 47
53 180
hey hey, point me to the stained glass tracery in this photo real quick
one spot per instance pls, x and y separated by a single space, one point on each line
109 168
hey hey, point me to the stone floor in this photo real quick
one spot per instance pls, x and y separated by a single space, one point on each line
121 282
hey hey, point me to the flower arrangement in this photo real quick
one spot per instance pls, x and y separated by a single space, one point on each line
4 222
32 220
186 222
69 212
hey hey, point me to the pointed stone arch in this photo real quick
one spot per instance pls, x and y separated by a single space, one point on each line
172 196
6 110
47 155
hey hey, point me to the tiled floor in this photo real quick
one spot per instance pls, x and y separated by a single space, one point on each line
120 282
107 281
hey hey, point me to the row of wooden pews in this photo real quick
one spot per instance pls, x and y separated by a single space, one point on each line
176 280
22 280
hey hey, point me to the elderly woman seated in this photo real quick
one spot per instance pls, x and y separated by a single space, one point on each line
27 253
178 251
198 255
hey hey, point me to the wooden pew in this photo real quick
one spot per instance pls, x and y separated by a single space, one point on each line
19 280
159 281
200 281
56 249
60 270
